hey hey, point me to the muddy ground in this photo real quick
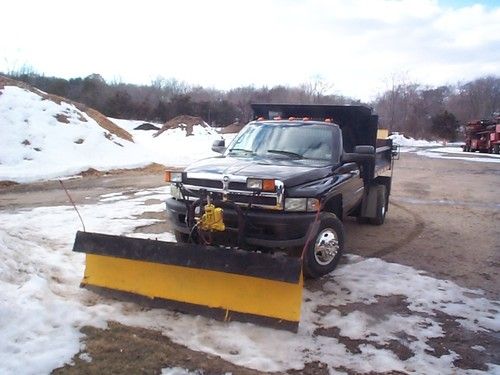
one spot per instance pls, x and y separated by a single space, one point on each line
443 219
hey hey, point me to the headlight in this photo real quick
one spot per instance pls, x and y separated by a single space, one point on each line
175 191
254 184
295 204
301 204
258 184
171 176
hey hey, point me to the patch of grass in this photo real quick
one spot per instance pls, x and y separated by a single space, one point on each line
128 350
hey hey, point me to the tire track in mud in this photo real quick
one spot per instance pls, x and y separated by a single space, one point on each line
414 233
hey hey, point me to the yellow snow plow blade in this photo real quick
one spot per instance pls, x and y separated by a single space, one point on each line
220 283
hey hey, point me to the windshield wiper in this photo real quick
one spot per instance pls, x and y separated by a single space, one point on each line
287 153
241 150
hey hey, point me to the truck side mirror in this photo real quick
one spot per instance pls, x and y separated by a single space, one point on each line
364 149
219 146
360 155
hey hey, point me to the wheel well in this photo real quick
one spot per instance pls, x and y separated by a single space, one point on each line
334 205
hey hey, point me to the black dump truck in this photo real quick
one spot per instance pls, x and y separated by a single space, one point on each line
286 182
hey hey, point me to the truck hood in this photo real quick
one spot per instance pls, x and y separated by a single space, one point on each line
291 172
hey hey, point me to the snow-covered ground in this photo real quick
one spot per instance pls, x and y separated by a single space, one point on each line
42 307
456 153
440 150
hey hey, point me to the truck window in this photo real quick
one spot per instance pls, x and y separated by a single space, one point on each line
300 141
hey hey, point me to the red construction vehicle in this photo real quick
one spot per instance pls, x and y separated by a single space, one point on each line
483 136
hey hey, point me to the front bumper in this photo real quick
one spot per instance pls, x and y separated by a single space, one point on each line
264 228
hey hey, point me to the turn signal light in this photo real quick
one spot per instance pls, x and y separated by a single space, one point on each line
268 185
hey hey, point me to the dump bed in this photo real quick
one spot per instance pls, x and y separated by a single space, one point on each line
358 123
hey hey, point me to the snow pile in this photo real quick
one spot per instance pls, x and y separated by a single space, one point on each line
44 139
402 141
43 308
173 147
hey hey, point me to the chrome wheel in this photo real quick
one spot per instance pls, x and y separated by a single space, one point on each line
326 246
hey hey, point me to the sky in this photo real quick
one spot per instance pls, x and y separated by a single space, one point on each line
357 48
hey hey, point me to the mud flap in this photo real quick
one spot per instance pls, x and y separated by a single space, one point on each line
221 283
369 203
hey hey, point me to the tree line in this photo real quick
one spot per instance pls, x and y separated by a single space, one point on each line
416 110
422 111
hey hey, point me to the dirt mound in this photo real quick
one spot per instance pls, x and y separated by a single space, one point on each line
153 168
147 126
184 122
98 117
7 183
110 126
91 172
235 127
4 81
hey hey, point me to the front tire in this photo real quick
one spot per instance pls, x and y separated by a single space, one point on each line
325 248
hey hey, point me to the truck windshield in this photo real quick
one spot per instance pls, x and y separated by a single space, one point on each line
294 141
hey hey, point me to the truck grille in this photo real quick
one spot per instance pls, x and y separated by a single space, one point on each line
205 183
236 192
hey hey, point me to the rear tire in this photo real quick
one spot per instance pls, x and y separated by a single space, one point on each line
381 207
496 149
325 248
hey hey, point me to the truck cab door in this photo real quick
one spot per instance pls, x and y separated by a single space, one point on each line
353 188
